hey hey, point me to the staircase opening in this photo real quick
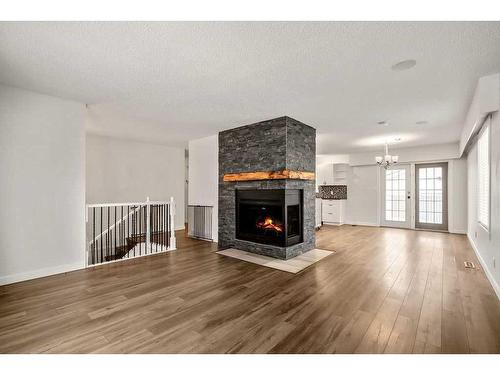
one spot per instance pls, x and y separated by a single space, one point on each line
117 231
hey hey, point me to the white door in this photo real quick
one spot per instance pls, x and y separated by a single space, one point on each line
396 208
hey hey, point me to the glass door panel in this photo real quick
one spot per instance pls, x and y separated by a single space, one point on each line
395 198
431 190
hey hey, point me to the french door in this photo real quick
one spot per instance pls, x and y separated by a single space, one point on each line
431 211
396 197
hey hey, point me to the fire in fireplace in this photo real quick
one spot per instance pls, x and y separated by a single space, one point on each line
268 224
269 216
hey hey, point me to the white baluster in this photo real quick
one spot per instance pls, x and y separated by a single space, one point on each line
172 245
148 226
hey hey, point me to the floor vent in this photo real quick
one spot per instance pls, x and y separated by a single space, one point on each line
468 264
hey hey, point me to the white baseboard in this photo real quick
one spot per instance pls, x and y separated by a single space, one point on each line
490 277
43 272
49 271
457 231
362 223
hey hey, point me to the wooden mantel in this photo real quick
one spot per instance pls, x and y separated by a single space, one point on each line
284 174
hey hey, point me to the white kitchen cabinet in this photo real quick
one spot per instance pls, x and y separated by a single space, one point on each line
324 174
331 174
333 211
340 174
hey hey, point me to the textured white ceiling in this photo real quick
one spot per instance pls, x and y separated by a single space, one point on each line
173 81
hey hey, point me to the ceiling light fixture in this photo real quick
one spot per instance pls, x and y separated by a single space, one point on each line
422 122
387 160
404 65
382 123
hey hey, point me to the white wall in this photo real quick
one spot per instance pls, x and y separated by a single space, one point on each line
486 100
186 183
332 159
444 151
486 243
128 171
203 176
324 174
363 195
42 185
457 196
363 184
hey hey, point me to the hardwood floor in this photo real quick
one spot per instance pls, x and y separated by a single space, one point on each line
383 291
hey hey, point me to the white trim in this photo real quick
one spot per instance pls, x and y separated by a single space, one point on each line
413 197
116 222
486 100
407 224
490 277
126 204
451 198
172 241
362 223
457 231
484 129
167 250
43 272
148 224
379 197
116 204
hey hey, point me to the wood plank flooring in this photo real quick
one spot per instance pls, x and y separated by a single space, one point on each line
384 291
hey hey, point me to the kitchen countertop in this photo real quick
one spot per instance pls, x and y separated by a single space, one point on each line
332 192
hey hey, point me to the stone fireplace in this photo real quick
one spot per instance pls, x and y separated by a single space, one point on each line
266 188
271 216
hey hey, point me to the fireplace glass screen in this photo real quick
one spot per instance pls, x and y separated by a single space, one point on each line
269 216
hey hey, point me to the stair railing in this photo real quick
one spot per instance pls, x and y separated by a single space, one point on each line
117 231
135 207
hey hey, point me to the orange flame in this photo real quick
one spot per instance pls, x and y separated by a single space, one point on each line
268 224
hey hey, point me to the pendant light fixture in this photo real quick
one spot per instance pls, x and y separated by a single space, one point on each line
387 160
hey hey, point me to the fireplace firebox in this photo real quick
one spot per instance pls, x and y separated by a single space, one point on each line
272 217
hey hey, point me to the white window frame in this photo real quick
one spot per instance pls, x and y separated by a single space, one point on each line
486 130
382 201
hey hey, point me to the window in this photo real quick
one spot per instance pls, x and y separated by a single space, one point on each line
430 199
483 167
395 195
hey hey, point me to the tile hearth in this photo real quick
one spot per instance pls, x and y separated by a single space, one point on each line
293 265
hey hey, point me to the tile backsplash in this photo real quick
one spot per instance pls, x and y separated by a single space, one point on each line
332 192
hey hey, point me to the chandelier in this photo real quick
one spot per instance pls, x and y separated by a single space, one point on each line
387 160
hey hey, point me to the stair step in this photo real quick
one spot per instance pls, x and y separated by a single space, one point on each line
159 238
120 252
